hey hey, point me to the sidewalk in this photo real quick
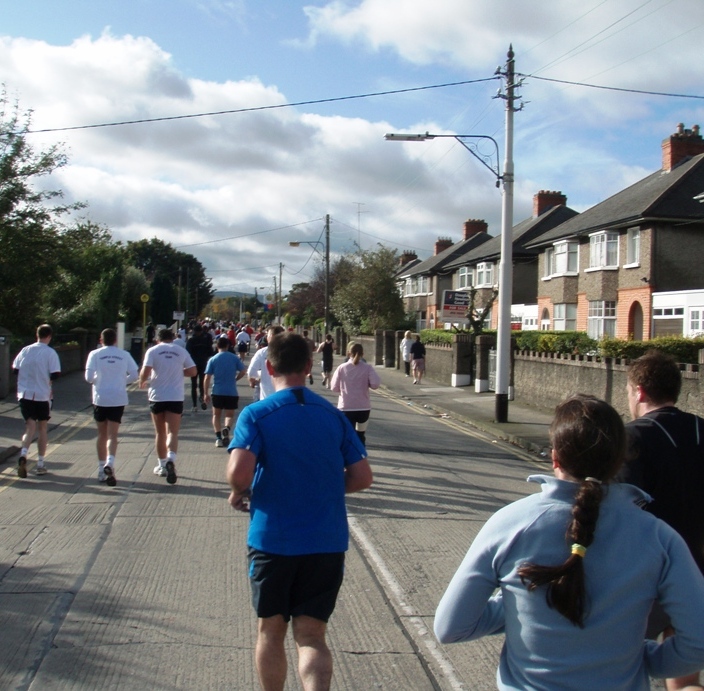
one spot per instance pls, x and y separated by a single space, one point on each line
527 427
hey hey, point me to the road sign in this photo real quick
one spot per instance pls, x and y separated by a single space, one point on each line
455 304
144 297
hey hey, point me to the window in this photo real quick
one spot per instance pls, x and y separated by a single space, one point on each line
423 284
565 317
601 319
603 250
465 277
562 258
632 246
485 274
696 320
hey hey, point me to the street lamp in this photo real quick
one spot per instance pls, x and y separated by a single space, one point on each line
298 243
503 345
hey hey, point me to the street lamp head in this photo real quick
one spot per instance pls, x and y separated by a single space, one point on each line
396 137
294 244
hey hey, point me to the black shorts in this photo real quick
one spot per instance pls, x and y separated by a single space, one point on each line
242 347
295 585
35 410
102 413
355 416
225 402
166 407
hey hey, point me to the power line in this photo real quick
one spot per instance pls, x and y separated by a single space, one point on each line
611 88
259 108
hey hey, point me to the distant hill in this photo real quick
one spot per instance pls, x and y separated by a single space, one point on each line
232 294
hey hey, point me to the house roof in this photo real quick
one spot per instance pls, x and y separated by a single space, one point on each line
662 195
524 232
404 270
437 263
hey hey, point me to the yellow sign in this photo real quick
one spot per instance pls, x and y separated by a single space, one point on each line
144 298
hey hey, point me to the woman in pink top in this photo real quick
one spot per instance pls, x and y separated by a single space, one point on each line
352 380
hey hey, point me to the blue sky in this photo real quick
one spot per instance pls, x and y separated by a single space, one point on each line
234 189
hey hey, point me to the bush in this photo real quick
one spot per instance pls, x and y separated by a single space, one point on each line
684 350
436 336
563 342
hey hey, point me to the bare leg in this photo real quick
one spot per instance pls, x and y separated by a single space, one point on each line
229 418
217 415
270 655
159 420
30 427
42 437
112 430
101 443
173 425
314 657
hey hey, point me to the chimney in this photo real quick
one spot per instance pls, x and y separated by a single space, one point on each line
545 200
681 145
406 257
473 227
442 244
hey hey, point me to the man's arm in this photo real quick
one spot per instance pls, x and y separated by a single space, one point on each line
240 473
358 476
190 371
206 387
144 376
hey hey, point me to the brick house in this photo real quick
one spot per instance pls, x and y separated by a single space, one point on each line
600 269
478 267
422 283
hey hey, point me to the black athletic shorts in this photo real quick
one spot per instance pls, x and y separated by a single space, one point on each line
242 347
295 585
35 410
225 402
166 407
101 413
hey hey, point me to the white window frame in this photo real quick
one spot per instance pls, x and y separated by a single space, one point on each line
564 316
485 274
562 259
465 277
423 286
696 319
601 318
632 248
603 250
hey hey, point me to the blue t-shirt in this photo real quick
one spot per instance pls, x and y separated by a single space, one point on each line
302 444
224 367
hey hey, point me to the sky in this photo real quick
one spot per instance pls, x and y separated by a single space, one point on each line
230 128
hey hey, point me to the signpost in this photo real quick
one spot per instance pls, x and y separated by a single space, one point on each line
455 304
145 299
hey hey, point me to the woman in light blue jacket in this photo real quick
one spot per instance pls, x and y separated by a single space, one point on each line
577 568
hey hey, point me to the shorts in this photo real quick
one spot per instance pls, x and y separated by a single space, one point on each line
418 364
242 347
35 410
158 407
102 413
225 402
293 586
357 417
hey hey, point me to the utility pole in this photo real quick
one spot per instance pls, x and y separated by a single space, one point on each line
503 346
327 271
359 222
278 302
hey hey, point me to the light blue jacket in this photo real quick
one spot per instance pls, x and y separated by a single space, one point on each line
634 560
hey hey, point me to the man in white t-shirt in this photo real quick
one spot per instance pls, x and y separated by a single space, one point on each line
109 369
36 366
165 366
257 371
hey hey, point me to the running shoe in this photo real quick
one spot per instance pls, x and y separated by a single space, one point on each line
22 467
102 477
218 443
40 469
110 478
160 470
225 436
171 473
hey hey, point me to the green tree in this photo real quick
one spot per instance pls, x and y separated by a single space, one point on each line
368 298
192 290
134 285
29 220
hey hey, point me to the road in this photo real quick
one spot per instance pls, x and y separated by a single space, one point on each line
144 586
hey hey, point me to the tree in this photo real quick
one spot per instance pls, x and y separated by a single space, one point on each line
190 289
134 285
368 298
29 220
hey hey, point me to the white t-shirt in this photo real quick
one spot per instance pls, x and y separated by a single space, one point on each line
109 369
36 363
257 370
167 361
242 337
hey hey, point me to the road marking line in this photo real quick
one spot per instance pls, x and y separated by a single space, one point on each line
421 630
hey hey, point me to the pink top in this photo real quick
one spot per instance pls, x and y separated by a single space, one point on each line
353 382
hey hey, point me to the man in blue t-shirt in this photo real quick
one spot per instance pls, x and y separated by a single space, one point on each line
224 370
293 458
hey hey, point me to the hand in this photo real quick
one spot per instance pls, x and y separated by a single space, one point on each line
206 398
240 500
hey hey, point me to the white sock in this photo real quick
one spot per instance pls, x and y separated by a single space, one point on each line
24 452
110 461
171 456
40 461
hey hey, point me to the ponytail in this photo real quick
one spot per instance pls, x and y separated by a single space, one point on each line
356 353
589 440
565 583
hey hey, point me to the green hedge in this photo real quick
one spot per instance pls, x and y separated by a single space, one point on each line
436 336
684 350
564 342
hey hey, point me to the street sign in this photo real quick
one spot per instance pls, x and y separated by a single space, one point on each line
179 316
144 297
